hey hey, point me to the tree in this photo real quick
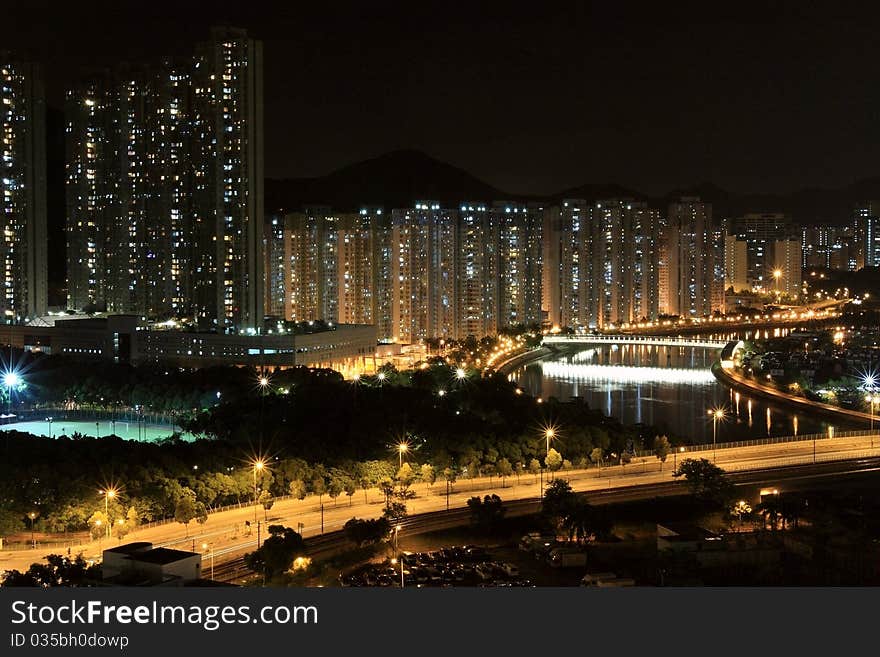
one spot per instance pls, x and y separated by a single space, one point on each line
58 571
596 456
405 475
584 522
558 500
661 449
277 553
98 523
534 468
705 480
518 470
487 513
185 511
428 474
350 487
267 501
337 485
553 460
366 532
297 488
504 469
319 487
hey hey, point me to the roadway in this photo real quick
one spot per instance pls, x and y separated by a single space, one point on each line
227 535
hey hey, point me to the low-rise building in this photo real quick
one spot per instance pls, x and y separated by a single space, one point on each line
140 564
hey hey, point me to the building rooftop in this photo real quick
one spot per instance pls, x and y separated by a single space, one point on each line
164 556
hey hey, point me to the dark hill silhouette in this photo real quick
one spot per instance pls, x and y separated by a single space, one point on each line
399 178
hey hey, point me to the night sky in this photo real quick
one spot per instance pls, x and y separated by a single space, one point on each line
533 98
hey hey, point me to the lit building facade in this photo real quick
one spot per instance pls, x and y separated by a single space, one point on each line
423 270
477 243
520 258
165 188
691 253
23 265
736 269
787 259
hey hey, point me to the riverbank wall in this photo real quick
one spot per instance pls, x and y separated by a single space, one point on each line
827 411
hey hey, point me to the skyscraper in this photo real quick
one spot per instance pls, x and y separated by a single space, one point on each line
477 271
165 187
759 231
311 249
625 262
866 228
691 255
275 266
423 270
520 257
23 267
364 281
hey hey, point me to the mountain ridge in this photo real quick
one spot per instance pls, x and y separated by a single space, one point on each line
400 178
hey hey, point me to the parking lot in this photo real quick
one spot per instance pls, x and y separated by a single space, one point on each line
467 565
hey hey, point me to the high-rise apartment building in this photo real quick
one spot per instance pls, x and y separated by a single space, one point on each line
567 264
274 266
690 259
423 271
364 270
736 269
476 255
165 187
312 251
866 229
520 256
23 264
759 231
787 267
602 263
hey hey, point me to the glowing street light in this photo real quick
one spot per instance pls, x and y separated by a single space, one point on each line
108 494
549 434
716 414
205 548
259 466
460 374
11 379
402 448
777 274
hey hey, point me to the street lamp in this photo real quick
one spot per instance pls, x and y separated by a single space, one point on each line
11 380
108 494
716 414
205 547
777 274
872 399
402 448
394 562
259 464
675 458
460 373
549 434
33 515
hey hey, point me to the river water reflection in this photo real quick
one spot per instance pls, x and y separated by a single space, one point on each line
671 388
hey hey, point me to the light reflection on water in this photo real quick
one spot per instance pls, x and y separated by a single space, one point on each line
671 388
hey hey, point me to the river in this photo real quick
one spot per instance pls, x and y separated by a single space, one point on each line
671 388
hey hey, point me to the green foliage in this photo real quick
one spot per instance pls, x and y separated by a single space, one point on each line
553 460
366 532
276 554
661 449
486 514
57 571
705 480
